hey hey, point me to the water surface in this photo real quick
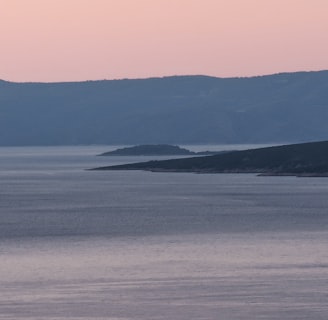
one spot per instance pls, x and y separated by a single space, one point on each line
78 244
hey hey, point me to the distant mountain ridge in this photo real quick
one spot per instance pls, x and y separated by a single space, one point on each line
286 107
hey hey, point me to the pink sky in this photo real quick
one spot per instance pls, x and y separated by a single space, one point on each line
66 40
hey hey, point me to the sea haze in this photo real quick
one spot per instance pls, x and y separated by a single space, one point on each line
77 244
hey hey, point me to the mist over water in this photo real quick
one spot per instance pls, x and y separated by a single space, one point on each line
79 244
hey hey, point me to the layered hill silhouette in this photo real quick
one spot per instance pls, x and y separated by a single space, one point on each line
287 107
305 159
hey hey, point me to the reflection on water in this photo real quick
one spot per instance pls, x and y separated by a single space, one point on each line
87 245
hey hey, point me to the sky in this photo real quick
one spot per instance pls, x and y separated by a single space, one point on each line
76 40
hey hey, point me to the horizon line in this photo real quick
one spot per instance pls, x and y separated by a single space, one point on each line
165 76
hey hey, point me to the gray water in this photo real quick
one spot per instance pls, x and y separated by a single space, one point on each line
78 244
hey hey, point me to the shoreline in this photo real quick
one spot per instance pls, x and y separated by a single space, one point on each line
259 173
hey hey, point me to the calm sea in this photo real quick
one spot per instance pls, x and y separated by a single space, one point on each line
133 245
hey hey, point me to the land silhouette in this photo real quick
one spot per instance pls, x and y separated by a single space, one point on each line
155 150
280 108
305 159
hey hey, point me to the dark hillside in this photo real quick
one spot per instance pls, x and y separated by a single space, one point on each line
170 110
296 159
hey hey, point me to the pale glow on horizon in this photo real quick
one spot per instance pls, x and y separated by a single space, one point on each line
68 40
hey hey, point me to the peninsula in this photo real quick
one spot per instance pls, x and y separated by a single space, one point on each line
304 159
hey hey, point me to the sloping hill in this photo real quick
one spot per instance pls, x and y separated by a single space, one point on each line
306 159
170 110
